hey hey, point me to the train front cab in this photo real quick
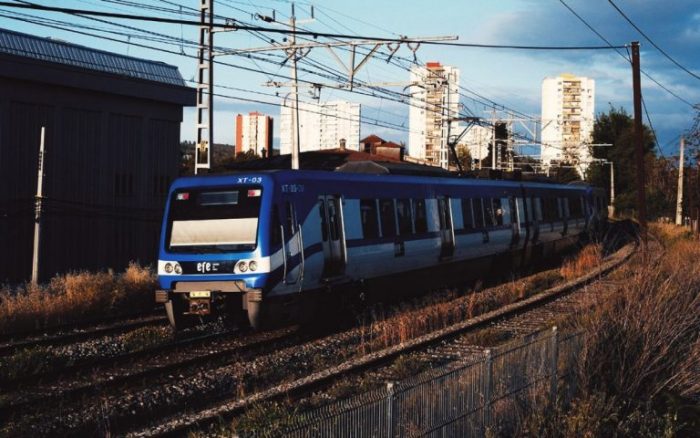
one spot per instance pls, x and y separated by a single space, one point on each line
213 256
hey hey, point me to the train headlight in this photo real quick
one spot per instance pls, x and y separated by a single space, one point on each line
242 266
178 269
168 268
253 265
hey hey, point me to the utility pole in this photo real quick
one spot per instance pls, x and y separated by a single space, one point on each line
292 52
611 207
638 140
205 81
37 211
679 196
493 140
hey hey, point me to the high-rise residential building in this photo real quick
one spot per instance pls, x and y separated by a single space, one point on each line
254 132
321 126
568 103
434 100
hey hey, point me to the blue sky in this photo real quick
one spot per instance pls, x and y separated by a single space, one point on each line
508 77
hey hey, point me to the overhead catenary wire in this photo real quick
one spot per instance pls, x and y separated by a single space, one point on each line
663 52
236 26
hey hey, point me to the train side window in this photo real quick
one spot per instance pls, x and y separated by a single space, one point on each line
421 215
444 213
537 208
478 204
368 214
498 211
403 213
467 214
333 220
388 217
488 212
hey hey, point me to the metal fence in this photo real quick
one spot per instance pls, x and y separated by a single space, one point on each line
468 399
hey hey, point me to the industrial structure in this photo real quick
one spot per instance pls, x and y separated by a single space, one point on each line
321 126
434 103
254 133
112 133
568 104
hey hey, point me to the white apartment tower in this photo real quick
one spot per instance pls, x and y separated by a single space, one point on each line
434 100
321 126
568 104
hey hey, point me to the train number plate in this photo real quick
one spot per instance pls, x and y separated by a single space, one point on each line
200 294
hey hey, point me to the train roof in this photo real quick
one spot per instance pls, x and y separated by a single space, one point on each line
320 175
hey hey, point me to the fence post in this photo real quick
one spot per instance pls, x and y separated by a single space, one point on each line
554 366
389 409
488 391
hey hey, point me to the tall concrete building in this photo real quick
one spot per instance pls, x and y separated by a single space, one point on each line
254 132
321 126
568 104
434 99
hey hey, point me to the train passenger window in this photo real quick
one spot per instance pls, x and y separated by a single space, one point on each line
388 217
403 213
498 211
488 212
467 214
478 204
537 208
550 209
368 214
421 215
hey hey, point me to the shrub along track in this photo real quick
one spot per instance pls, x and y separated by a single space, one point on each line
180 387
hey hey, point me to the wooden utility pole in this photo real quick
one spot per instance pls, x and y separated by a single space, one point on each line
37 211
679 197
638 141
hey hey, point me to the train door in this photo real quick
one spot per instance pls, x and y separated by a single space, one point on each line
293 245
332 235
447 234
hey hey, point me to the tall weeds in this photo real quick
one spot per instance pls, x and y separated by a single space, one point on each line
639 370
76 297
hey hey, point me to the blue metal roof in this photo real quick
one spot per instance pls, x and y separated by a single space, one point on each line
46 49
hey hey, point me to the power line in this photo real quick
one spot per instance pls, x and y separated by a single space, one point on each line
231 24
651 41
647 75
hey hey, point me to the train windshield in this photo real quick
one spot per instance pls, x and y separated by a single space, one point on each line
214 220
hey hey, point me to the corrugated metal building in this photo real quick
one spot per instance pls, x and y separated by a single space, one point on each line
112 147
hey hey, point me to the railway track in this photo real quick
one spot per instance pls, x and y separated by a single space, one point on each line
169 385
84 325
63 337
531 311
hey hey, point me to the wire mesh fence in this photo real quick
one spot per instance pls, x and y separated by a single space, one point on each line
483 396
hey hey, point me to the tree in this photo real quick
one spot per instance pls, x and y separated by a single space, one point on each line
617 128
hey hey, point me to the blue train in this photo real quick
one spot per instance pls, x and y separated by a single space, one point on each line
263 244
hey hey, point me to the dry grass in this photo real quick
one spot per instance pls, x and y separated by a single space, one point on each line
590 257
76 297
639 370
423 317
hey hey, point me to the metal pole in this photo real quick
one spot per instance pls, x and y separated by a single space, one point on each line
679 196
611 209
210 86
37 211
638 140
295 119
493 140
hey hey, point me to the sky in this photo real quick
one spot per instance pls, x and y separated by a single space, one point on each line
510 78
